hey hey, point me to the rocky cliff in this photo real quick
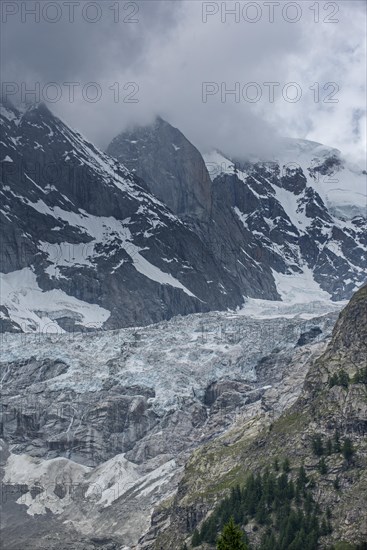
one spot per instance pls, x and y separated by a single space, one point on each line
331 409
295 221
84 245
87 243
172 167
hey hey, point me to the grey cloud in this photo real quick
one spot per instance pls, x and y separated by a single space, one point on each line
170 52
81 50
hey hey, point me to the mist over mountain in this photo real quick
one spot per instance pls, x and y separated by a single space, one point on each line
86 238
183 275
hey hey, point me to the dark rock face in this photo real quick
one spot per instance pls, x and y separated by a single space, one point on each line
79 229
263 217
350 332
85 244
308 336
293 180
172 167
288 233
217 389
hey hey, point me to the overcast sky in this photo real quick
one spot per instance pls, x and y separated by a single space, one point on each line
168 50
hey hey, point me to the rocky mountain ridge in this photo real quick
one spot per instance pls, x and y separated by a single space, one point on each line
330 409
161 155
84 245
88 244
300 219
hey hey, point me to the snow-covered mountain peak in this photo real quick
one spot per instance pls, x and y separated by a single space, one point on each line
341 185
171 166
307 207
85 243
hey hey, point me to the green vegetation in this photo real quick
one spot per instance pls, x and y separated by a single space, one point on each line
331 446
196 538
322 466
347 449
277 504
317 445
231 538
336 484
286 466
342 378
337 446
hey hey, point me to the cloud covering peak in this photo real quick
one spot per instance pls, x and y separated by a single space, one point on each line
230 75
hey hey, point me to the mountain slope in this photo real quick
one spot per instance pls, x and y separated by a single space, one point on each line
307 212
85 245
283 228
96 428
332 409
169 163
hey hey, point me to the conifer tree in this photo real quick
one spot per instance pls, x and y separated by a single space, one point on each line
317 445
302 478
261 515
337 446
334 380
324 527
322 466
344 378
347 449
231 538
286 466
196 539
329 447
